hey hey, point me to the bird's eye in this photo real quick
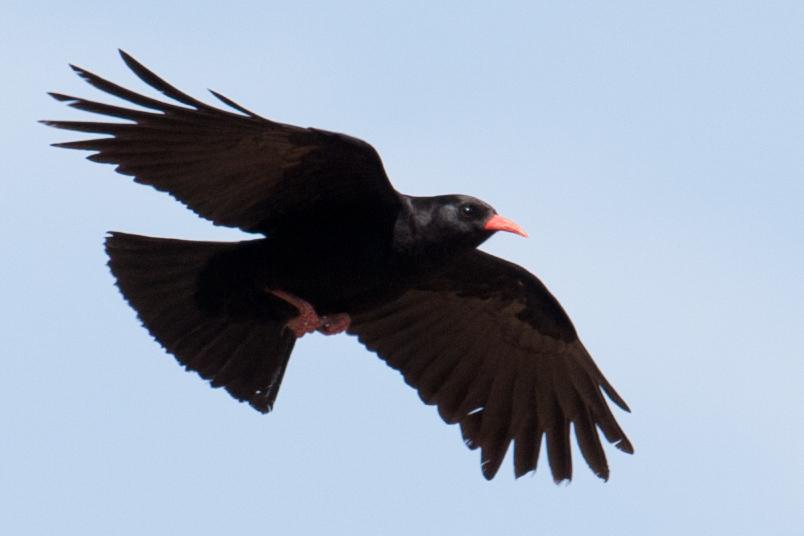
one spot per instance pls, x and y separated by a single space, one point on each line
470 211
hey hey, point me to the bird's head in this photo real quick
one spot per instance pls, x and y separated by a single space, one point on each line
454 222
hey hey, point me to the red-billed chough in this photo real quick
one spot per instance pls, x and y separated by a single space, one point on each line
477 336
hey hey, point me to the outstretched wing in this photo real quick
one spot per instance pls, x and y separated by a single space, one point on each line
236 169
493 349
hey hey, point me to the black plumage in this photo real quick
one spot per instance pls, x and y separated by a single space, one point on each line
477 336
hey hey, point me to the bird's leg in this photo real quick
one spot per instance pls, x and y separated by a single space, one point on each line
334 324
308 320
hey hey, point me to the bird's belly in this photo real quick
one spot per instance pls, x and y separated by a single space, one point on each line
339 277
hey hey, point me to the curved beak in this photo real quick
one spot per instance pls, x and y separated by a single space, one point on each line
498 223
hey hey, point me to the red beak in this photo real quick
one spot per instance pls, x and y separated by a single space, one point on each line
498 223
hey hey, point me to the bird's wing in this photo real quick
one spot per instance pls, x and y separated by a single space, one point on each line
493 349
234 168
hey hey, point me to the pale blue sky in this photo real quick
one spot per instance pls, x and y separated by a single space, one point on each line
653 151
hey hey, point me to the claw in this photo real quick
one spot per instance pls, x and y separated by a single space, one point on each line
334 324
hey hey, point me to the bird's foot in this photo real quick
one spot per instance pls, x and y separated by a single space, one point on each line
308 320
334 324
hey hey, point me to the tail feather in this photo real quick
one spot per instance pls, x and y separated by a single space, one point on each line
162 279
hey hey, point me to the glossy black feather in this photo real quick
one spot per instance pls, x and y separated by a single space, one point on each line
247 171
532 376
160 278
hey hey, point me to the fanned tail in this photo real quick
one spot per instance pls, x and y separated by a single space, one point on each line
186 295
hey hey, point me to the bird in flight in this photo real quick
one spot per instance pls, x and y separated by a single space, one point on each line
341 250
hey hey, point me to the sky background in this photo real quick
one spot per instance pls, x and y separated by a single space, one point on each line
653 151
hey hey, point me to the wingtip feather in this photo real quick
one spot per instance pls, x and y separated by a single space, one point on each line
229 102
80 71
61 97
488 469
130 61
615 396
625 445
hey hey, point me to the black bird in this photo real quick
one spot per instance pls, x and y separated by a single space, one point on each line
477 336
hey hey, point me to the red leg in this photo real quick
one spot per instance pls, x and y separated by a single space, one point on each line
307 321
